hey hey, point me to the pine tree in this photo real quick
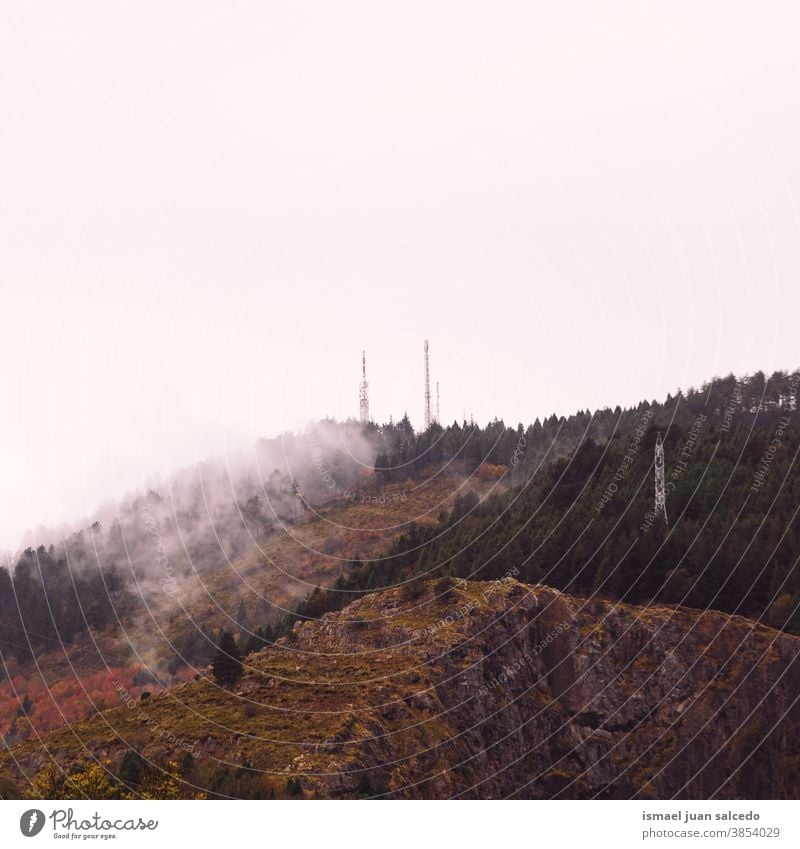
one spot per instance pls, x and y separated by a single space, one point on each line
131 769
242 621
226 666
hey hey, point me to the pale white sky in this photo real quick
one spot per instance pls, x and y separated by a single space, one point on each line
208 209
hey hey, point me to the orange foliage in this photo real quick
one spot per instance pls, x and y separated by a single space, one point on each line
488 471
66 701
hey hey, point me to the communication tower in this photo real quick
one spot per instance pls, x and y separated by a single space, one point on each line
363 392
427 389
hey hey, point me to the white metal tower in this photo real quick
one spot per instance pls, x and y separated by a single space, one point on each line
363 392
438 419
661 492
427 389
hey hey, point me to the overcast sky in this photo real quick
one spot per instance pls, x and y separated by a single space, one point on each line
208 209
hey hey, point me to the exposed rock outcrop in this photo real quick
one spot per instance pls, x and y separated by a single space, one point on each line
491 690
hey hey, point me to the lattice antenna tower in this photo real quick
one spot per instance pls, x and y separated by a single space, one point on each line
363 392
661 491
427 389
438 418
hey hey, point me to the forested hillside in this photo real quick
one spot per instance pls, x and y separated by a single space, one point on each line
585 523
563 524
149 587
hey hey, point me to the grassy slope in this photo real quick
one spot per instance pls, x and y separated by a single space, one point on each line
357 676
282 568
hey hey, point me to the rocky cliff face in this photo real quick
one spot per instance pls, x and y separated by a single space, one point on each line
487 690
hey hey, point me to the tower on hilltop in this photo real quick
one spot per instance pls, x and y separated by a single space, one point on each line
427 389
363 392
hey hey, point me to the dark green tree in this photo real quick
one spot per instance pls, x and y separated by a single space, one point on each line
226 667
131 768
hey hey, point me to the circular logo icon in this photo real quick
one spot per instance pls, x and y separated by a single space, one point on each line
31 822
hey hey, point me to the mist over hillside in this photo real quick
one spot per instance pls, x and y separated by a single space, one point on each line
400 402
208 514
249 543
581 517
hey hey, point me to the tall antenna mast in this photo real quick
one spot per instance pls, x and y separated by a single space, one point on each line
427 389
438 419
363 392
661 492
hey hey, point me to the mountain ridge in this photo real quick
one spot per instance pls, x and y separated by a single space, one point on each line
406 698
